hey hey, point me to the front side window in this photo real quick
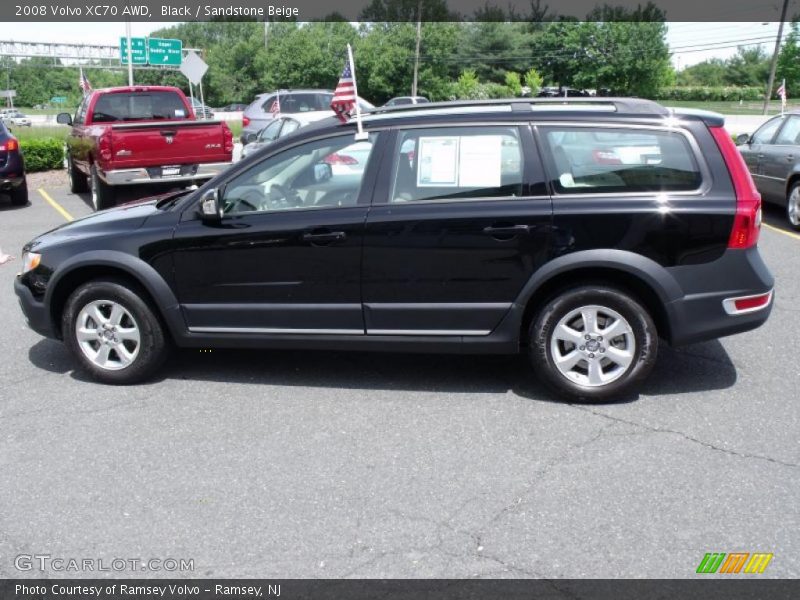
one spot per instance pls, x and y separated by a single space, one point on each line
766 132
608 160
457 163
270 132
319 174
289 125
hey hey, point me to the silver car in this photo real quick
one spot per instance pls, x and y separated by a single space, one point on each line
16 119
280 127
286 102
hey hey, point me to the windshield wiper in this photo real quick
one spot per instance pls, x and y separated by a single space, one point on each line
171 198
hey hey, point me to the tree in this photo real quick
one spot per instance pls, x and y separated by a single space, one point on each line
513 83
789 60
750 66
534 81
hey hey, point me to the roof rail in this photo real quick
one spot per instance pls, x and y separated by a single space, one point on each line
620 105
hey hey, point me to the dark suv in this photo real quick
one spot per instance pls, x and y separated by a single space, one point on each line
582 231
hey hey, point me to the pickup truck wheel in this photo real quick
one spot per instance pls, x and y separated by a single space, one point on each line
78 182
793 207
113 332
102 194
19 196
593 343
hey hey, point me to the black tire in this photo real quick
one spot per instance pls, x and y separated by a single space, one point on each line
78 182
576 384
19 195
102 194
152 345
793 206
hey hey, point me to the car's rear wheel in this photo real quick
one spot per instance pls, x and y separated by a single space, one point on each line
793 206
113 332
593 343
19 195
102 194
78 182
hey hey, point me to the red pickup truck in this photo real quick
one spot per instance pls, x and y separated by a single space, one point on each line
141 135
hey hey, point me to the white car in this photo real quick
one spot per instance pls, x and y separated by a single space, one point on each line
280 127
16 119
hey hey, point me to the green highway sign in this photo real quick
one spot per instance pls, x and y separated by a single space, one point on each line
139 55
58 99
165 52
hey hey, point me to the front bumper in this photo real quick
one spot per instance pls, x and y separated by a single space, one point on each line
152 175
35 311
701 314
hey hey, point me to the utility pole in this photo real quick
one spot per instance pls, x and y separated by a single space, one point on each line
130 52
266 32
774 62
416 53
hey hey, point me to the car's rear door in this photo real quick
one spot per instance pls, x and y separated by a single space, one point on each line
459 222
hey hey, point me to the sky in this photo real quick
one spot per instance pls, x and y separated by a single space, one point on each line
691 43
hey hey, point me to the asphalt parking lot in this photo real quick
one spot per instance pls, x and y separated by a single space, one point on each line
322 464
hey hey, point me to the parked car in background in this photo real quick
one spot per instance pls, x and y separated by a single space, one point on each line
280 127
141 136
772 155
401 100
12 168
482 241
235 107
264 108
201 111
16 119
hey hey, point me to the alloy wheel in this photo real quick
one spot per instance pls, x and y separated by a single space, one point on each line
107 334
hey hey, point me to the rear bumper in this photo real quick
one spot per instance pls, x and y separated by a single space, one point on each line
701 313
145 176
35 312
10 183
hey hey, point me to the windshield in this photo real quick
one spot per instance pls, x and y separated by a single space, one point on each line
137 106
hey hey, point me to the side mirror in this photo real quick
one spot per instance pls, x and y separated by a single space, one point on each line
742 138
250 138
64 119
211 205
322 172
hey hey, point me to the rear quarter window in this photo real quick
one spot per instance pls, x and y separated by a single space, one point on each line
610 160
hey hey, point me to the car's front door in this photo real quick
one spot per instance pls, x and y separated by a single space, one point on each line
780 158
286 256
460 221
755 154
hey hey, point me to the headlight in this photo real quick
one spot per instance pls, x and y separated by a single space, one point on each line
30 260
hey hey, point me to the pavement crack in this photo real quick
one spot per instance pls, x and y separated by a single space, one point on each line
687 437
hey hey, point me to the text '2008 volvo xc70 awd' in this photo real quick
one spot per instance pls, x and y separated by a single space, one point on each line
580 231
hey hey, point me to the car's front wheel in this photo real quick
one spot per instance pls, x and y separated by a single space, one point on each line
593 343
793 206
113 332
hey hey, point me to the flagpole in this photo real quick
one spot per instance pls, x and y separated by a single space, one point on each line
361 134
783 96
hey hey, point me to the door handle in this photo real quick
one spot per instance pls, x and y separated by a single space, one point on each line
506 230
790 157
324 237
760 156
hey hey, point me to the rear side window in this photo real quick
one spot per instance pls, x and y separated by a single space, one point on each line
457 163
138 106
608 160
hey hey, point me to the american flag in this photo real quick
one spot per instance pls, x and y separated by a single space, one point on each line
276 105
84 84
782 91
344 96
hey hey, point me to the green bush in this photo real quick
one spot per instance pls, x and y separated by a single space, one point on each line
708 93
42 154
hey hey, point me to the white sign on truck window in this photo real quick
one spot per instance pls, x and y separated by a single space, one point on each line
438 161
480 161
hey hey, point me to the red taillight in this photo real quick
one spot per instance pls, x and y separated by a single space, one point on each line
605 157
227 138
746 304
747 221
11 145
245 121
339 159
104 145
